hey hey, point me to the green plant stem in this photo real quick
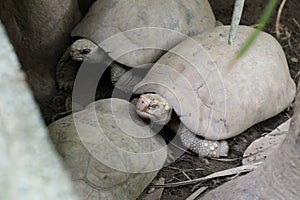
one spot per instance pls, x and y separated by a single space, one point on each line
261 24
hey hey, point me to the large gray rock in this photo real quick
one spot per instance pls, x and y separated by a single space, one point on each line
30 168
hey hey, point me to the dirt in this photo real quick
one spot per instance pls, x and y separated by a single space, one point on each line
189 165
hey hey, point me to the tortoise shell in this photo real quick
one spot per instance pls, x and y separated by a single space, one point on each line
108 150
213 100
137 32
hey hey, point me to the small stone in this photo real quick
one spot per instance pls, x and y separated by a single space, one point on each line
205 144
293 59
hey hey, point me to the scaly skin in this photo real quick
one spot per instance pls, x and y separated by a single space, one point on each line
155 108
116 72
67 68
83 49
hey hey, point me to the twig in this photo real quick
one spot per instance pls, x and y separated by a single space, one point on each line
196 193
277 25
186 170
186 176
155 193
172 178
295 21
234 177
226 159
227 172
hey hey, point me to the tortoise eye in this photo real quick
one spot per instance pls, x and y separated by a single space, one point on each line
153 106
85 51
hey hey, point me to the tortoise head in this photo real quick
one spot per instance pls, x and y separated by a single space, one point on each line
82 48
154 108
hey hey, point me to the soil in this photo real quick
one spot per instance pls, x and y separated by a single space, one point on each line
189 165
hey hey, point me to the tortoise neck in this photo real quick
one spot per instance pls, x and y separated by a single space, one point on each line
174 123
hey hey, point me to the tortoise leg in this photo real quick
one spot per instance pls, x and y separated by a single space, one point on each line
66 71
203 147
125 78
117 71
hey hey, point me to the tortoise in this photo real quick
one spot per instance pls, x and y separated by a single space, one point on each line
109 33
211 99
104 152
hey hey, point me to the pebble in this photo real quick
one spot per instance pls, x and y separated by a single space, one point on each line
293 59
